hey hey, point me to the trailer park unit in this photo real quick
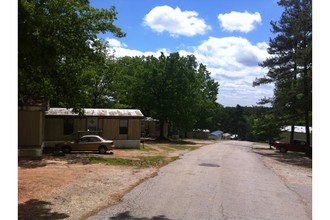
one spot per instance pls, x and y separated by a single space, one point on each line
123 126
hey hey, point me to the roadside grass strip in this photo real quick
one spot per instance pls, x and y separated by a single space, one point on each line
135 161
178 147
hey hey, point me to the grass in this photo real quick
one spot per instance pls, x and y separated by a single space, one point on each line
135 161
142 147
178 147
146 161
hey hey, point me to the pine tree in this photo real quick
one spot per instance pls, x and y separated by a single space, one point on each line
290 64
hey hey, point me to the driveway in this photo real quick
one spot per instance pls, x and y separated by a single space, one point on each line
225 180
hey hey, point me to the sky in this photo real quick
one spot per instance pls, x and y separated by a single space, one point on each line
230 37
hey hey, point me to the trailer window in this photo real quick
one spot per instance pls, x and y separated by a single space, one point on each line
68 126
123 126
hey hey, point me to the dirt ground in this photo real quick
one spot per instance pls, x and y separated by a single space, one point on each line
68 187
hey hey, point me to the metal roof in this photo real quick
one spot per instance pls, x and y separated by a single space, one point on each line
96 112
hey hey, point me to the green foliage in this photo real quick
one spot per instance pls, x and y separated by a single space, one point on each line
248 122
57 44
266 127
170 88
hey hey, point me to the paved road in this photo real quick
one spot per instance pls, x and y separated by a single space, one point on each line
225 180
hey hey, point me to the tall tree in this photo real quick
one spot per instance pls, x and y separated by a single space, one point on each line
97 83
56 38
170 88
207 96
290 64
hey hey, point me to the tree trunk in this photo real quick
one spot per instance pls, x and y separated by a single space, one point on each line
292 134
306 112
161 129
308 136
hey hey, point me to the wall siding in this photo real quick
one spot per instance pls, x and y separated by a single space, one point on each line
30 128
134 129
108 130
54 129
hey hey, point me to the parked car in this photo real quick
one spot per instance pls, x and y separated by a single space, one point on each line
296 145
87 143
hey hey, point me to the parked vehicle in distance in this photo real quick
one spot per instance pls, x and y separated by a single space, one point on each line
296 145
87 143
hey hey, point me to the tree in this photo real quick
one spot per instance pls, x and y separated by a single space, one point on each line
57 41
170 88
290 64
266 128
97 84
207 96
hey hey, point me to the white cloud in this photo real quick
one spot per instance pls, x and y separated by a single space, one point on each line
120 49
115 43
238 21
230 53
176 22
232 61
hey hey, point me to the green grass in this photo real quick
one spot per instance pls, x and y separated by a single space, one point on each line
178 147
136 161
141 147
143 161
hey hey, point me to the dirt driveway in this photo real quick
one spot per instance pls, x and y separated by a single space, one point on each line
70 187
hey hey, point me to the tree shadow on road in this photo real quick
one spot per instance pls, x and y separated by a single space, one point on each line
126 215
292 158
38 209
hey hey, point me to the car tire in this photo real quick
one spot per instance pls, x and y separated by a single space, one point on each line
66 149
103 149
283 150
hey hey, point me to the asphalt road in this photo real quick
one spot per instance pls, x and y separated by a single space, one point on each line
226 180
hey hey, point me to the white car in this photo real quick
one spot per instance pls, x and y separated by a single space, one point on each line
87 143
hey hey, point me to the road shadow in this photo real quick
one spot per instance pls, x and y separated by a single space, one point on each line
127 216
38 209
292 158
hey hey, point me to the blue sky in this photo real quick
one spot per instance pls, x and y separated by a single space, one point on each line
229 36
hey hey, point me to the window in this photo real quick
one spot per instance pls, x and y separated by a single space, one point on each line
123 126
84 139
92 123
68 126
94 139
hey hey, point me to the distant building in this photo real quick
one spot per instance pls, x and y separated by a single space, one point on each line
216 135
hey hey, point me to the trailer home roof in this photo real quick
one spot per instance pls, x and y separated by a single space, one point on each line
96 112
